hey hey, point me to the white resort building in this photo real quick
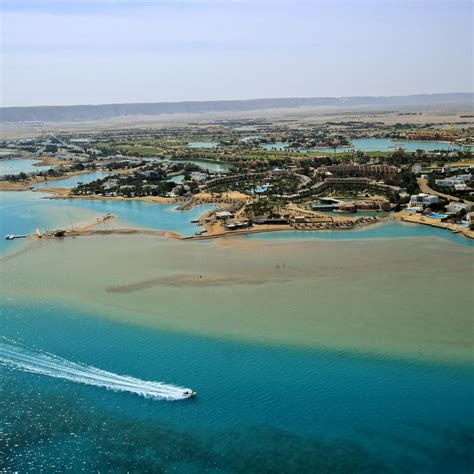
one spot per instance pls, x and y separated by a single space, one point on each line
422 200
455 207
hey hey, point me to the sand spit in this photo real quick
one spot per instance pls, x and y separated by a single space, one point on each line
30 184
89 230
192 280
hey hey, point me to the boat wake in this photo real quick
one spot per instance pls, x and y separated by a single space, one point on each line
42 363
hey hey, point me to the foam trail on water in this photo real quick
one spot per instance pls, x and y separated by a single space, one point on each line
42 363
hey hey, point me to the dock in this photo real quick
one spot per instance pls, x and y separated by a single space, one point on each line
14 236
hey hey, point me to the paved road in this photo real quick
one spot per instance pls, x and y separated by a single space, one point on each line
423 183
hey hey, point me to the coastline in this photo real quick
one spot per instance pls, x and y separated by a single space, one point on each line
216 229
219 231
64 193
213 230
426 220
89 230
30 185
49 161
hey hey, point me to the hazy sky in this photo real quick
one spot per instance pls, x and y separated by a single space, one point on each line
103 51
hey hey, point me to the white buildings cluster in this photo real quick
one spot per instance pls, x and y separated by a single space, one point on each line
457 182
422 200
455 207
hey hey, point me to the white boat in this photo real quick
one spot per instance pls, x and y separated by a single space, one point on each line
189 393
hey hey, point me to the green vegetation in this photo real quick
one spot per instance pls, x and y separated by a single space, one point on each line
129 151
264 207
406 180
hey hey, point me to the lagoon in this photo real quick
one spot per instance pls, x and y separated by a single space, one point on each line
176 179
384 144
73 181
387 230
376 144
23 212
203 144
20 166
210 165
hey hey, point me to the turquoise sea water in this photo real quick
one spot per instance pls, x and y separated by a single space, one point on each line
388 230
259 408
145 215
23 212
73 181
20 166
376 144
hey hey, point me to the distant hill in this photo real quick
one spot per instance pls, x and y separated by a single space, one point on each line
78 113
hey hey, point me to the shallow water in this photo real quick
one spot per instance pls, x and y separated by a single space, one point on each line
20 166
259 409
386 230
73 181
24 212
376 144
340 352
354 295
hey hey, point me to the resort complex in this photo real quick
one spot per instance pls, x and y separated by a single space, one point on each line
262 176
236 237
